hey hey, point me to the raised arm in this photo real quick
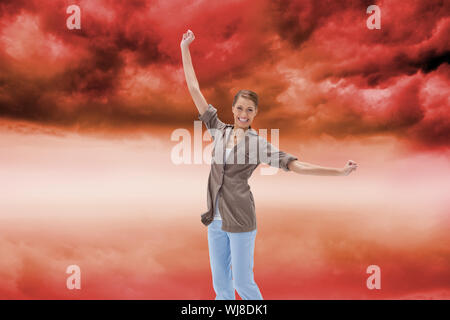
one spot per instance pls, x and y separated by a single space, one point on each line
191 79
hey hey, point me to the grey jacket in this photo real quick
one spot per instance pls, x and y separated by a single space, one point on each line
229 180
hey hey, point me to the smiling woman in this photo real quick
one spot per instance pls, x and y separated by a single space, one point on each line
232 237
244 108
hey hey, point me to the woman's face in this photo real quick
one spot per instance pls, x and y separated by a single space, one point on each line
244 112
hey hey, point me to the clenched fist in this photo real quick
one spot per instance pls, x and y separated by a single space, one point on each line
188 37
349 167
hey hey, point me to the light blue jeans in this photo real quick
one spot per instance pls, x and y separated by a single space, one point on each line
231 259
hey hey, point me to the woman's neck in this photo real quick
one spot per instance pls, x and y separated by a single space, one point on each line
236 128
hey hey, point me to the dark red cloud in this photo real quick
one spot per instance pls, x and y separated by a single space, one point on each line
122 70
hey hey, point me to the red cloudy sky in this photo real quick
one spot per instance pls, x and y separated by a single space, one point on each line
86 156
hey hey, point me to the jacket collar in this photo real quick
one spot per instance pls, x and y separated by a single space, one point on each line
249 131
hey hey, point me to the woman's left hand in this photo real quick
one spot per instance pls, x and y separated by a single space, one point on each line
349 167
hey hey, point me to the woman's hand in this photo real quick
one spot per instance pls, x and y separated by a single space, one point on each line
188 37
349 167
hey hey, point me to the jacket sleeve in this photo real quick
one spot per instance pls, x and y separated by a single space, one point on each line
274 157
211 120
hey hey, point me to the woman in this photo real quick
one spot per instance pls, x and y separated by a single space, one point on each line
231 218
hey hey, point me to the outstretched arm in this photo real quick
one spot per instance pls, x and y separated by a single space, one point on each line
312 169
191 79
